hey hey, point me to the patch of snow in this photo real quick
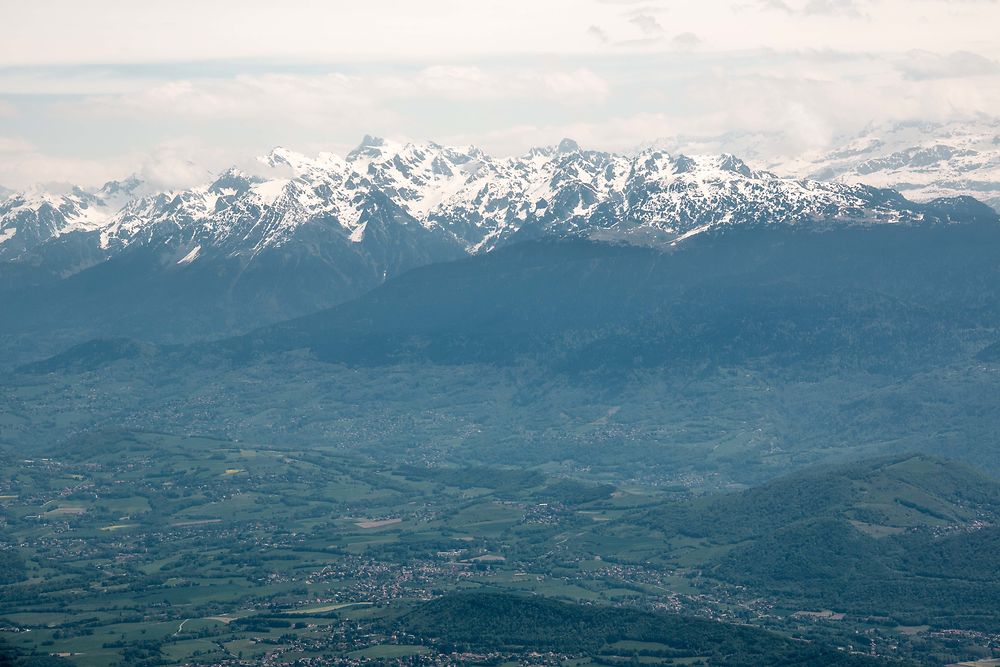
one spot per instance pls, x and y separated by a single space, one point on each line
191 256
358 235
270 191
692 232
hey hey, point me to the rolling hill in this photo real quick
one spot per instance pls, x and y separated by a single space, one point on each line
911 538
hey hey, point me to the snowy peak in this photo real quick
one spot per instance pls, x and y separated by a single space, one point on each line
299 164
233 182
124 189
734 164
30 218
369 148
282 156
567 146
417 176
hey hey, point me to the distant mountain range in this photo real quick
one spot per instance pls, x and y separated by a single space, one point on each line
306 233
922 160
458 199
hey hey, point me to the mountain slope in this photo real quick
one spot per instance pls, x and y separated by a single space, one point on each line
879 497
35 217
864 296
496 621
910 537
734 357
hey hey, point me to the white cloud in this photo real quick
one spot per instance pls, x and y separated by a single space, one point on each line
474 83
815 7
181 163
598 33
503 74
777 109
921 65
686 40
23 169
115 31
236 98
14 145
647 24
329 98
120 31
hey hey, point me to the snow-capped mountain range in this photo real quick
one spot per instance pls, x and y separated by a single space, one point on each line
304 233
455 200
922 160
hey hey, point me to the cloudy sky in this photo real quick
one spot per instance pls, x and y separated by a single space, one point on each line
97 90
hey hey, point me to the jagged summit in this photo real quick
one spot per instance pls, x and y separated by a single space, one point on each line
568 146
369 147
126 187
280 155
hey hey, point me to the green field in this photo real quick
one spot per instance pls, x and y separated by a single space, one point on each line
168 557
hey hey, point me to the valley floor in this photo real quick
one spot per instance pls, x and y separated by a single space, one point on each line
146 549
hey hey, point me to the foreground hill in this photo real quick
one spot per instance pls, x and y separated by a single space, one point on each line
880 498
913 539
491 621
